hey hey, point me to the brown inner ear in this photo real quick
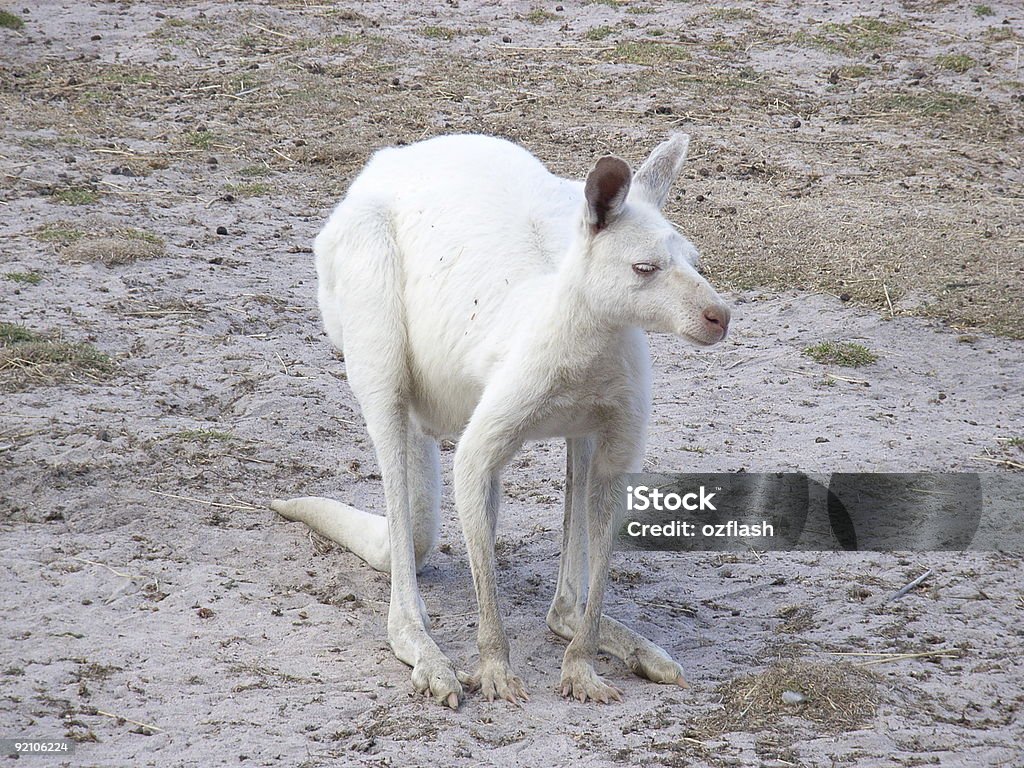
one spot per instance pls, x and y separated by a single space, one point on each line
606 189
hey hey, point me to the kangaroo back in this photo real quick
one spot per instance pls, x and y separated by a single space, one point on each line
442 242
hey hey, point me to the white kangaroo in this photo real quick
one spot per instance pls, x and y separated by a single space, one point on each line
482 296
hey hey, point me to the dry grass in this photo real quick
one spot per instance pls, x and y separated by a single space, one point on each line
76 196
29 358
249 189
540 16
110 246
845 353
648 53
112 251
26 278
795 619
9 20
204 435
957 62
839 697
60 233
861 35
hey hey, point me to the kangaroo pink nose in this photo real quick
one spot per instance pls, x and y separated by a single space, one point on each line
717 316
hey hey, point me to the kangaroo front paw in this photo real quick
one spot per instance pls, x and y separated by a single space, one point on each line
495 680
439 679
581 682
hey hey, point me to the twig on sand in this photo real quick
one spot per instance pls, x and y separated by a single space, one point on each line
321 544
122 718
942 653
282 154
900 593
127 152
103 565
557 48
888 301
237 457
836 376
860 653
272 32
242 505
1004 462
281 361
848 380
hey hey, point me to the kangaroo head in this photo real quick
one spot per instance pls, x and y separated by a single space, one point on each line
639 269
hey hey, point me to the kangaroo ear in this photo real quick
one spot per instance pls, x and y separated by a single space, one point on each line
659 171
606 190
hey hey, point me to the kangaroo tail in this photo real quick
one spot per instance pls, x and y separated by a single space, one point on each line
362 533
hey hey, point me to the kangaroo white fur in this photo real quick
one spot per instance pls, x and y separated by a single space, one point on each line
483 297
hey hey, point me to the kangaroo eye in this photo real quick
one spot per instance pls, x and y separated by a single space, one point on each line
643 268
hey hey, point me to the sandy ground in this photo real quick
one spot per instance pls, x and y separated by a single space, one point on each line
158 614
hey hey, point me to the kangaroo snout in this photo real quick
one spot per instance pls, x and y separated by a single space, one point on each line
716 320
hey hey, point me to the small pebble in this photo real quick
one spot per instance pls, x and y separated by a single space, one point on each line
795 124
793 697
222 230
506 39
